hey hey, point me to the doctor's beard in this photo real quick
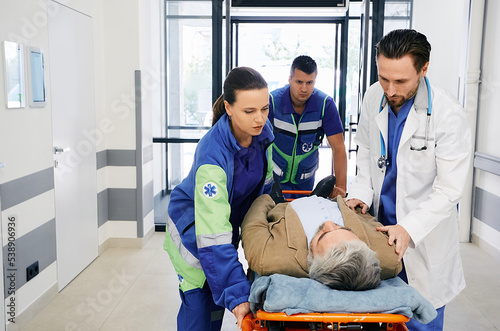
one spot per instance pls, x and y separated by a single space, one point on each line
401 100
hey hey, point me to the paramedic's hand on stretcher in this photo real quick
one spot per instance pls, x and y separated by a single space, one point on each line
397 234
353 203
240 311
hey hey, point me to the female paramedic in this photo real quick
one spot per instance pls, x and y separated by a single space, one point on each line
229 171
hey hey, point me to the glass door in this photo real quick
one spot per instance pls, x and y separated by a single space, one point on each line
270 47
188 31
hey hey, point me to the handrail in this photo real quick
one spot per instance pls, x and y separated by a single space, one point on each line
175 140
487 163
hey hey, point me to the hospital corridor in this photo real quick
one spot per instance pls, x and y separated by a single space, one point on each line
123 123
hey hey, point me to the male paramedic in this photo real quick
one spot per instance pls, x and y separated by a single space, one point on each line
317 238
414 148
301 115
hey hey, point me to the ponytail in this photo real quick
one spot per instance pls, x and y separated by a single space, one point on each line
218 109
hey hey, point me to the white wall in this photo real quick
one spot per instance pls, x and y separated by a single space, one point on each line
486 231
121 49
489 116
128 37
26 142
444 22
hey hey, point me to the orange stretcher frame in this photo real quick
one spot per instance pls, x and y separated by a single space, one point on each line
264 321
295 192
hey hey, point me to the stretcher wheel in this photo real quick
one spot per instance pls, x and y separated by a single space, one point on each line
371 327
275 326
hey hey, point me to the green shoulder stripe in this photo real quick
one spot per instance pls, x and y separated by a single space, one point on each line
211 201
272 101
269 174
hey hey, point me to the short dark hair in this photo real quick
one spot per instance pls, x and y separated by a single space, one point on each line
401 42
303 63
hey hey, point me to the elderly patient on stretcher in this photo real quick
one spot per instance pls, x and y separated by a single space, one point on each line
318 238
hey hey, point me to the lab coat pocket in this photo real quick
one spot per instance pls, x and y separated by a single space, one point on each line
421 158
442 243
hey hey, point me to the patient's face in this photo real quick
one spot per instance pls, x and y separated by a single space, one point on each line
328 235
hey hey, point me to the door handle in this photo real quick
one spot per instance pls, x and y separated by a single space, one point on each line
59 150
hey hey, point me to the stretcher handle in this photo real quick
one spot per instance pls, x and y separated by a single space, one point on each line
296 192
248 323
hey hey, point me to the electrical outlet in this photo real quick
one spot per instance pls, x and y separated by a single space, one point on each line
32 271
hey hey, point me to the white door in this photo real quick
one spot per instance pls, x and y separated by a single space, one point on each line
71 69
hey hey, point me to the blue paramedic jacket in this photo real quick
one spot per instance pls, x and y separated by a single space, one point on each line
200 208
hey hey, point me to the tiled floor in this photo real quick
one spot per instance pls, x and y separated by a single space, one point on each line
136 289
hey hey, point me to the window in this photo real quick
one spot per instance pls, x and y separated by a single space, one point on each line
189 81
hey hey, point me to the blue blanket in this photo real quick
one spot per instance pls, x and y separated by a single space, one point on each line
280 293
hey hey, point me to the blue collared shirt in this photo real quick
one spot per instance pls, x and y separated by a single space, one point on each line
387 210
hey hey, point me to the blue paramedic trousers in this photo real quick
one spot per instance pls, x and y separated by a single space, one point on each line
198 311
435 325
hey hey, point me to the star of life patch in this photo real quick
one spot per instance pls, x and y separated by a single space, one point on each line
210 190
306 147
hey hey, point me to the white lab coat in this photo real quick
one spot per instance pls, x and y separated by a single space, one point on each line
429 185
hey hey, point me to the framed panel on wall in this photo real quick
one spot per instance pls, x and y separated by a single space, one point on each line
36 74
14 73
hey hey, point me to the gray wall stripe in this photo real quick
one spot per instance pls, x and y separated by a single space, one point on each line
36 245
138 155
487 163
147 154
122 204
27 187
102 159
121 158
102 207
116 158
485 208
148 200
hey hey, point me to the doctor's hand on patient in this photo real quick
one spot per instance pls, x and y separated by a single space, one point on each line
397 234
240 311
353 203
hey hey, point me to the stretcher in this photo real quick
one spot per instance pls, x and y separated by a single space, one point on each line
266 321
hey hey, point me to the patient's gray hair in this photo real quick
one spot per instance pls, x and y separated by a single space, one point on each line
350 265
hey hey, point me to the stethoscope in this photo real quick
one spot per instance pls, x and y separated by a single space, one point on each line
383 161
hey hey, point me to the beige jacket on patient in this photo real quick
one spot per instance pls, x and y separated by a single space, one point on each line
274 240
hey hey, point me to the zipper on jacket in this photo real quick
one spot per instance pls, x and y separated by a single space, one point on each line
190 225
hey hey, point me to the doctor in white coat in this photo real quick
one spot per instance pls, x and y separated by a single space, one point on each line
413 157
